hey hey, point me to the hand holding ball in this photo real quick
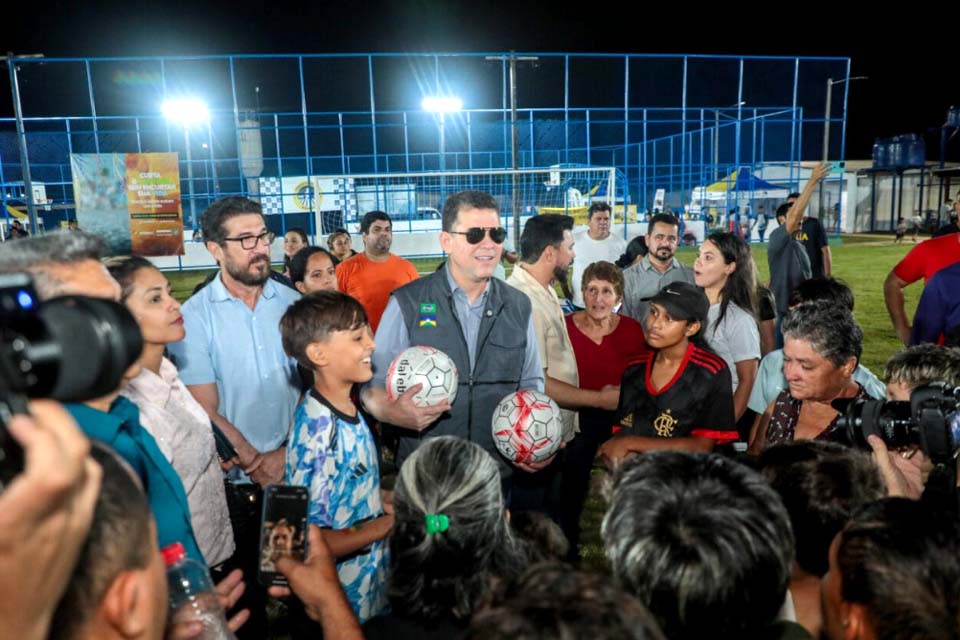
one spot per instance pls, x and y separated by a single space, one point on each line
427 366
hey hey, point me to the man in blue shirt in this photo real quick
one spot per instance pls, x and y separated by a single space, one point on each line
938 312
232 359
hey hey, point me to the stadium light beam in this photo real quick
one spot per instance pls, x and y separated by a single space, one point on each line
442 104
186 112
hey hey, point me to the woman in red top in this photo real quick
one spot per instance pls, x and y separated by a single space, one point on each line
604 343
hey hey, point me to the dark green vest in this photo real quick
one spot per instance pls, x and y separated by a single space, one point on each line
501 345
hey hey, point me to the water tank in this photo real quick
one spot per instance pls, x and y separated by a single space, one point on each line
953 117
251 146
914 150
881 153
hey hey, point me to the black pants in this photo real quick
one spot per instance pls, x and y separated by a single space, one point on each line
596 427
245 502
538 491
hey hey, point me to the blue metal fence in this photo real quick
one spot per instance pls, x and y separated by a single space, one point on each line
664 121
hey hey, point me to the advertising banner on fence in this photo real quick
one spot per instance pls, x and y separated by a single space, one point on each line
131 200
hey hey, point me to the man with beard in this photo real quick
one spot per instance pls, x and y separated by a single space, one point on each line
657 269
231 358
546 252
232 361
371 276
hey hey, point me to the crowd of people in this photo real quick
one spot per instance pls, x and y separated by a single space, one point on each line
738 504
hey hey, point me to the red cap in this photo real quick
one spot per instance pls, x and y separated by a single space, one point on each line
173 553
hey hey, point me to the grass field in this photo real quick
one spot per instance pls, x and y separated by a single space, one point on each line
862 262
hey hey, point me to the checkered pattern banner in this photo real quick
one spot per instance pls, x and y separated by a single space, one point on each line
292 195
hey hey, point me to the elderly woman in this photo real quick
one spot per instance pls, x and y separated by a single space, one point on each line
822 345
450 541
604 343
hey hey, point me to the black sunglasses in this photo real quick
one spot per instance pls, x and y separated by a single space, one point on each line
474 235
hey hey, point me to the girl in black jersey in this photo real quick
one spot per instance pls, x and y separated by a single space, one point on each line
679 395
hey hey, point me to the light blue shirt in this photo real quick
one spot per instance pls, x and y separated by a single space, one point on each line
240 350
392 337
771 381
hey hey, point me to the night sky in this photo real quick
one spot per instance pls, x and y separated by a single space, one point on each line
909 87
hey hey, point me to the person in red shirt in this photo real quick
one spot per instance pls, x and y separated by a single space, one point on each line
923 261
604 343
371 276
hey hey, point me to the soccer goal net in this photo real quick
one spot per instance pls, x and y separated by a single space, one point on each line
415 200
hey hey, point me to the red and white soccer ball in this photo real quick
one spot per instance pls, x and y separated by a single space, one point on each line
527 427
427 366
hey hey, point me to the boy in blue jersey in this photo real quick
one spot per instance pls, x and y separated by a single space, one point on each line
331 449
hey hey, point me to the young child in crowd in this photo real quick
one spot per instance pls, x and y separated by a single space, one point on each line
679 395
331 449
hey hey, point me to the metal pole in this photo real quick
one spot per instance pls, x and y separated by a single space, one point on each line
193 203
443 162
716 146
826 121
514 149
22 139
826 136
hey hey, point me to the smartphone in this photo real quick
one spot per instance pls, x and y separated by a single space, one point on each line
283 530
837 166
225 449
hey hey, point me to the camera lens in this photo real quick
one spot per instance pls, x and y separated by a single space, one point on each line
95 341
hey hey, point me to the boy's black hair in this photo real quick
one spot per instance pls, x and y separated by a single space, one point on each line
314 317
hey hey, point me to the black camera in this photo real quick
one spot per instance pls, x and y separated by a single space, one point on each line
71 349
930 421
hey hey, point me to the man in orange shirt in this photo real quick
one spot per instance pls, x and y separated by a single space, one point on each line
371 276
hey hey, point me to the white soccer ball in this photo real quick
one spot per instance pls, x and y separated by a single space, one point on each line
427 366
527 427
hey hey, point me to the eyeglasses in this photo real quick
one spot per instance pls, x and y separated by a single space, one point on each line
474 235
250 242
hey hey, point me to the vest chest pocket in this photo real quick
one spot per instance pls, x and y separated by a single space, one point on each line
502 358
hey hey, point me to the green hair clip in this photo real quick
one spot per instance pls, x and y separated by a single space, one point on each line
437 523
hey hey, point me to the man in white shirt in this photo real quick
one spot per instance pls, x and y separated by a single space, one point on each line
594 243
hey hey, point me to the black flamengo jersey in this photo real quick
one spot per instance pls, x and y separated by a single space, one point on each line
698 401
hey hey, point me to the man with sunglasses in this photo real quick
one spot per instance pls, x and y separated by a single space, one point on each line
482 323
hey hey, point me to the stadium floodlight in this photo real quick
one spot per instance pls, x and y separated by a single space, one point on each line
185 111
442 104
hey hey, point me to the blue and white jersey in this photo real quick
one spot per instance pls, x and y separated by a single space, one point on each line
335 457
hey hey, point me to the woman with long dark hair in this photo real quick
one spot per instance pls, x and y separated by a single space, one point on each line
724 270
294 240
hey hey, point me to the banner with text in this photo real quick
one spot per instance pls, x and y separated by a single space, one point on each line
131 200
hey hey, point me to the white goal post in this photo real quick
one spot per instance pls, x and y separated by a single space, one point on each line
415 200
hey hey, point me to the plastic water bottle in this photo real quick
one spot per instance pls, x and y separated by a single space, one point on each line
192 596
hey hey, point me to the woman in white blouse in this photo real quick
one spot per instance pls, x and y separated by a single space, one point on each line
167 409
724 269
